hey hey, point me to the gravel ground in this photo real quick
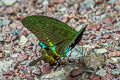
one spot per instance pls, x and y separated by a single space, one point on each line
18 46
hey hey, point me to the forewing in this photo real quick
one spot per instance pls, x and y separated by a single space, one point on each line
48 29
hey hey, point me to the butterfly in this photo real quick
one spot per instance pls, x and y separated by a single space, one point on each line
56 38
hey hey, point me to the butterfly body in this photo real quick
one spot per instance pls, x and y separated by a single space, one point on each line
56 38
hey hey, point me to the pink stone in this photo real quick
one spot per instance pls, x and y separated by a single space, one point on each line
95 26
1 55
25 33
103 41
99 1
93 36
58 1
106 36
22 57
108 20
46 68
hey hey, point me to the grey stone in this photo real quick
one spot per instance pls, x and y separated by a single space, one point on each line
7 52
1 3
76 53
36 71
30 36
117 7
101 72
1 38
112 1
63 9
5 22
88 4
60 74
115 71
101 51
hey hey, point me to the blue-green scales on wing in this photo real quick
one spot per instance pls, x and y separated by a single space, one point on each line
56 38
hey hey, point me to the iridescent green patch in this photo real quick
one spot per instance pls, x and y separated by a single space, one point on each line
56 38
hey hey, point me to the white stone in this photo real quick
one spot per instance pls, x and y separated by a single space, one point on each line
101 51
14 55
45 3
63 9
4 65
78 28
8 2
23 40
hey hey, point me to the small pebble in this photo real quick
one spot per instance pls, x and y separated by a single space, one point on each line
101 51
106 36
65 19
107 20
45 3
117 7
7 41
22 57
13 25
14 55
99 1
11 10
8 52
95 77
51 4
19 27
1 38
46 68
1 55
103 41
112 1
23 40
95 26
93 36
5 22
14 38
9 2
25 33
58 1
89 3
36 71
63 9
71 4
75 72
